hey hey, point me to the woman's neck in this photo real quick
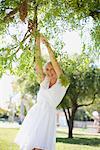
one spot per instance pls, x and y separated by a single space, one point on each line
52 81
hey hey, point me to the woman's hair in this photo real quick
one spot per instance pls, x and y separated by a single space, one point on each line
44 67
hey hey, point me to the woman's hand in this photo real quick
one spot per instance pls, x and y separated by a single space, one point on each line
43 39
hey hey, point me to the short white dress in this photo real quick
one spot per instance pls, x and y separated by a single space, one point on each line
38 129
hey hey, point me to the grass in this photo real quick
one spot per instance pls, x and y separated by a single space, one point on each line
79 142
82 140
6 139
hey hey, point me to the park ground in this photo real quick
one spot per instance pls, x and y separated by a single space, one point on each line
83 140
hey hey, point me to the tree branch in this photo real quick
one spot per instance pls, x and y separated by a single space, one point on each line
94 13
11 13
14 11
25 37
66 116
68 112
87 104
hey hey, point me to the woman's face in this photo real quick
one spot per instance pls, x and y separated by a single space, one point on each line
50 72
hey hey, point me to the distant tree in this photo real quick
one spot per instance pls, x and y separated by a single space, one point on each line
83 89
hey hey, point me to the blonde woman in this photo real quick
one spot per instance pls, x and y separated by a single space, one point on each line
38 130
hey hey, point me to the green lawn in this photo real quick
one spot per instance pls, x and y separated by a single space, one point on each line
80 141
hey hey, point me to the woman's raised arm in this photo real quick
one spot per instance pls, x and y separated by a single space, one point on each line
38 60
60 74
52 57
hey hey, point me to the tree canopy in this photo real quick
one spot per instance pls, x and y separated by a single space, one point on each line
54 18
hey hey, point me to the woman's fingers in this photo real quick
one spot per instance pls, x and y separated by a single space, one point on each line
43 39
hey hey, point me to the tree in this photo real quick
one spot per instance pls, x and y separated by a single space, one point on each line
26 85
53 18
83 89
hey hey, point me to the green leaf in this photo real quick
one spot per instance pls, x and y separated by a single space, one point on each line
64 80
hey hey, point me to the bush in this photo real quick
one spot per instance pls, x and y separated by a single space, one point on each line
82 115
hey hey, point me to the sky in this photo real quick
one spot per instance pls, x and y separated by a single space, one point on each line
72 42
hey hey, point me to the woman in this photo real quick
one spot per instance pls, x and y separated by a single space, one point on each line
38 130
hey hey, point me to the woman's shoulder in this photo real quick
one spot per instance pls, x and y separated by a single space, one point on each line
44 82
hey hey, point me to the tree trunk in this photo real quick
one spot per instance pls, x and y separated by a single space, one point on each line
70 120
70 128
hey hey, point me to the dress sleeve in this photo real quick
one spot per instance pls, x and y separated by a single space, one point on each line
44 83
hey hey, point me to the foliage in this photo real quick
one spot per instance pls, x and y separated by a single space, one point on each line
84 79
3 113
94 107
82 115
54 17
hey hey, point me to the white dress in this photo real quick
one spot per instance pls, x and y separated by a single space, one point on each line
38 129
